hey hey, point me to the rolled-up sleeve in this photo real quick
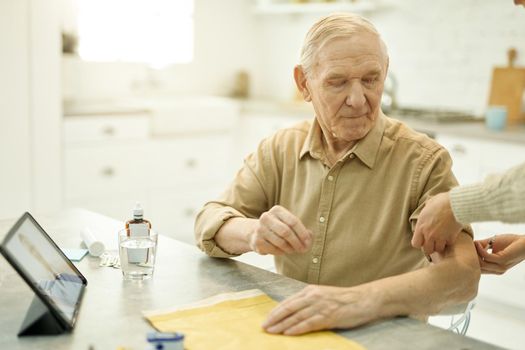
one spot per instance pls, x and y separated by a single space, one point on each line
248 196
434 175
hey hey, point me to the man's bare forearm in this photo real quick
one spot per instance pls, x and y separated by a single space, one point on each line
233 237
451 280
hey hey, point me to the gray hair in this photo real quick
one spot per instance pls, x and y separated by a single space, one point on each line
334 26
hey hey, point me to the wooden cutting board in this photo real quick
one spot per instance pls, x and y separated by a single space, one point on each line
507 88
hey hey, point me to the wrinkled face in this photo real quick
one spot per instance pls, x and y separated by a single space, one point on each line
345 86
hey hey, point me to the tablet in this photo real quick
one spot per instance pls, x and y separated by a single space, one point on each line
57 283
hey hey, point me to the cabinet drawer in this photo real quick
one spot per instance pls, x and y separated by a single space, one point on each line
466 157
183 115
192 160
174 210
115 205
507 288
500 156
103 170
99 128
255 127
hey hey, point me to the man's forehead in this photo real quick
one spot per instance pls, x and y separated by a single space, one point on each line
359 48
343 66
370 68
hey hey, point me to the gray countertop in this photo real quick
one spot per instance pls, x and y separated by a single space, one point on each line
471 129
110 315
102 109
301 110
474 129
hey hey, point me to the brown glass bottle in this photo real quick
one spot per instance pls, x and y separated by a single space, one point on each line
138 226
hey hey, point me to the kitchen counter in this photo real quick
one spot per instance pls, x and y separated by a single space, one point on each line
110 314
301 110
471 129
102 108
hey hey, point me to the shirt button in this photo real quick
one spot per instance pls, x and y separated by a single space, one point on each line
330 178
321 219
315 260
352 156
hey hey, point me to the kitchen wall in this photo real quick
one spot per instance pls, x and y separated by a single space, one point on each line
441 52
223 45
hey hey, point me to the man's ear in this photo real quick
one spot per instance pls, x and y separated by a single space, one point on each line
300 82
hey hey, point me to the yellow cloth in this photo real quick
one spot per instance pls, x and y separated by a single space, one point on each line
236 324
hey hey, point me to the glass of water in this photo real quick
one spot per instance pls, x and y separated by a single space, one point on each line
137 255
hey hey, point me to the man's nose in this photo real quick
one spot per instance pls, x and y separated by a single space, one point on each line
355 95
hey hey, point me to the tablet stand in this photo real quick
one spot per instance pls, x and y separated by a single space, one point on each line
39 321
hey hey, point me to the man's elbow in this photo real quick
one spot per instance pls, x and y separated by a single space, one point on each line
470 275
464 291
467 275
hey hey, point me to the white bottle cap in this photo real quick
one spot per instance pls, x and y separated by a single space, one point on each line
138 212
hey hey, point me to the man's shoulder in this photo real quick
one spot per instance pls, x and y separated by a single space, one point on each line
400 133
294 134
299 129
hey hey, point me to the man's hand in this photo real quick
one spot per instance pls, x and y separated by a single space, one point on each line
436 225
280 232
320 307
507 251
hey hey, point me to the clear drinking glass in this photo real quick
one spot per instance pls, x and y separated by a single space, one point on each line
137 255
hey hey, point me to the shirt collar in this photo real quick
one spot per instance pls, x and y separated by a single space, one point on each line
366 149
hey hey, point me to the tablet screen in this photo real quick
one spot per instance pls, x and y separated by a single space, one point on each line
45 268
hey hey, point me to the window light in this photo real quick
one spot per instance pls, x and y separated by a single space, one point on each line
156 32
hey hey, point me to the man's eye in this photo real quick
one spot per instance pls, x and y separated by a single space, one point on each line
370 81
338 83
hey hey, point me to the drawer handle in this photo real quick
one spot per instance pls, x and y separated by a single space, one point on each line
108 172
459 149
108 131
191 163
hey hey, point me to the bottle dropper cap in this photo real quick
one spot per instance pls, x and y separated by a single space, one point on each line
138 212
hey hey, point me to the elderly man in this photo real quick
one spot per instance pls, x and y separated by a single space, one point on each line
335 200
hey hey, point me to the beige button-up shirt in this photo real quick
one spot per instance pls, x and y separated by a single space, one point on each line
362 210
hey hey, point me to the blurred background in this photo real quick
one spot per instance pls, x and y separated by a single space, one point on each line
105 103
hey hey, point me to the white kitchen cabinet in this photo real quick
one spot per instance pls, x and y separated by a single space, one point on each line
192 159
187 172
466 157
110 167
112 161
91 129
254 127
115 204
474 159
507 288
15 145
496 157
173 210
106 166
29 108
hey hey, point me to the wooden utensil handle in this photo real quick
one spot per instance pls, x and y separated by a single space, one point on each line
512 54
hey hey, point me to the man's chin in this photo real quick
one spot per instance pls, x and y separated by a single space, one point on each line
354 135
355 116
